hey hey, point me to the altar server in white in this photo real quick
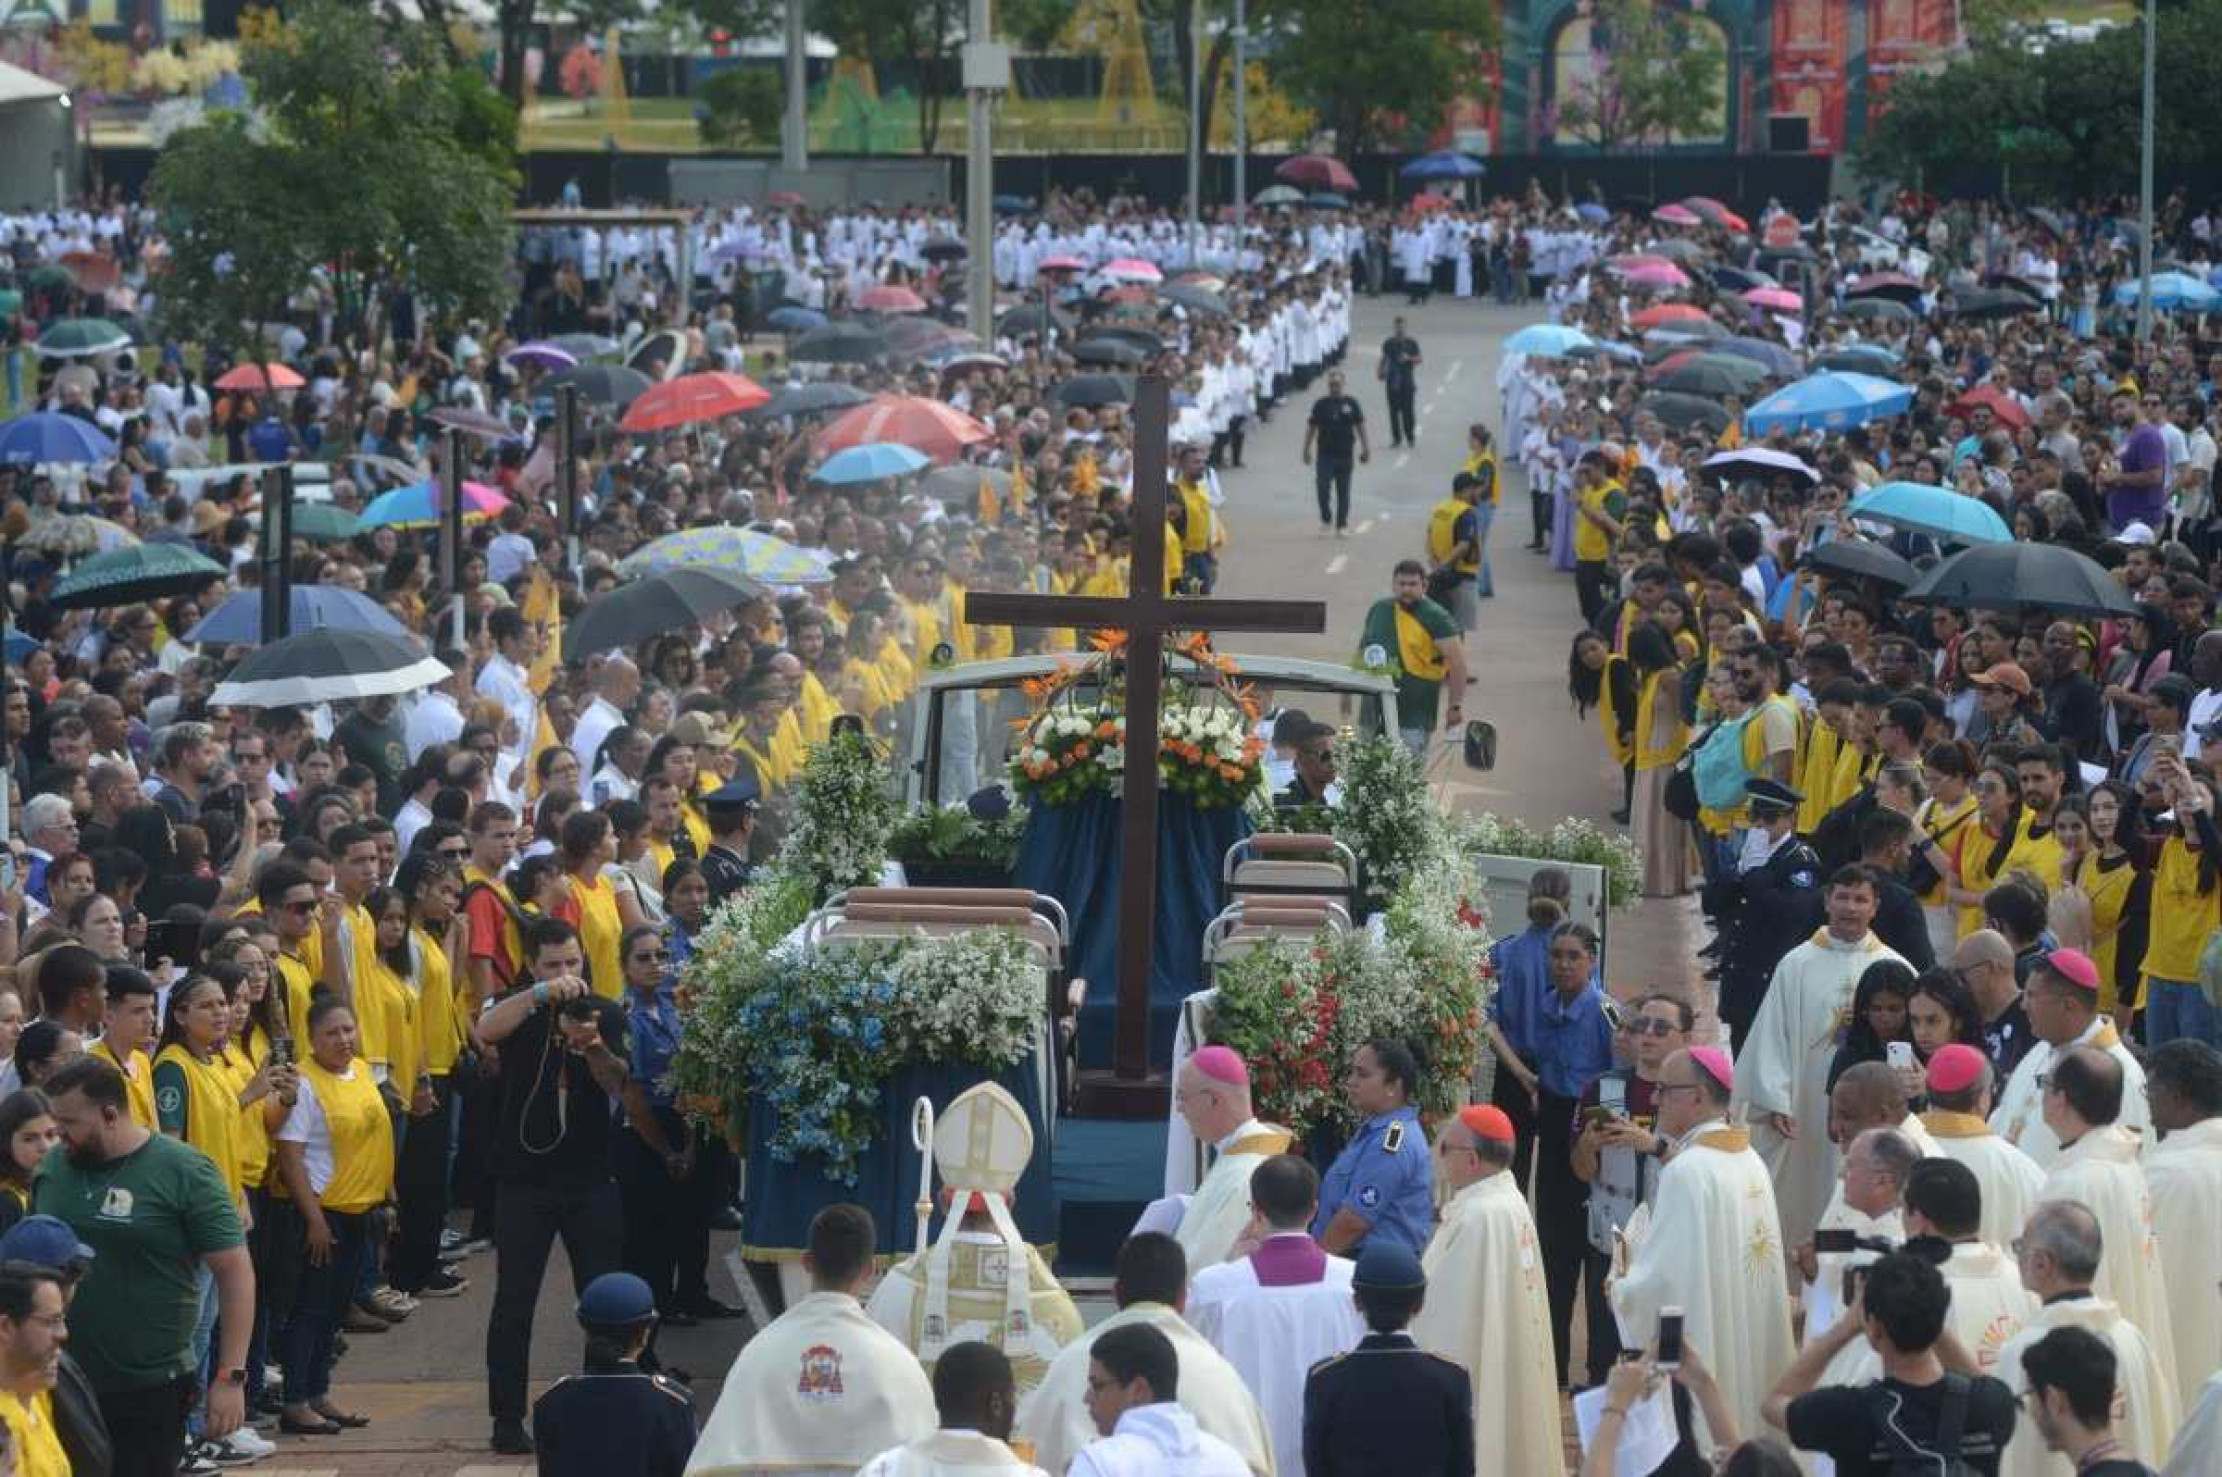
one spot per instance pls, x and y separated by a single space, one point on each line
1486 1310
976 1398
1782 1073
1712 1244
2062 999
2198 1448
2184 1174
824 1389
1150 1285
1212 1094
1958 1123
1134 1399
1281 1309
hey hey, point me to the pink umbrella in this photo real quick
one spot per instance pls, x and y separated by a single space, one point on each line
1134 269
1629 261
891 298
1656 274
1676 215
1780 299
1063 262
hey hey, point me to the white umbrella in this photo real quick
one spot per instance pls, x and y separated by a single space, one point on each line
326 665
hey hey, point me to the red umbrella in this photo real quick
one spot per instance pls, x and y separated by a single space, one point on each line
1426 203
91 271
691 398
1666 313
1719 214
1131 293
2004 408
891 297
1885 284
1779 299
1676 215
1317 172
940 431
1063 263
783 197
251 377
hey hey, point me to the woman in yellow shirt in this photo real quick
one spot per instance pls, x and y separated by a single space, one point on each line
36 1305
599 911
27 1131
2187 909
1949 770
336 1154
1661 735
435 949
1990 848
1596 678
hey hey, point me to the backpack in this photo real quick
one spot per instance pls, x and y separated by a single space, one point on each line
1719 766
1680 795
1942 1457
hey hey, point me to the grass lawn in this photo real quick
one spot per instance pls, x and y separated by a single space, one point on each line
1023 124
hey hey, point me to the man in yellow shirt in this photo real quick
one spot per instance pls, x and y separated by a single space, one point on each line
1202 535
1598 505
126 1027
761 706
33 1327
806 637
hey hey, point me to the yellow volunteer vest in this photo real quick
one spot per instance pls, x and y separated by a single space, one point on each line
138 1082
369 991
362 1136
395 1002
1484 465
1416 651
1174 558
2108 890
1813 772
211 1110
1442 535
599 931
926 623
299 982
38 1446
1656 689
819 709
763 762
250 1135
441 1024
1195 503
2182 916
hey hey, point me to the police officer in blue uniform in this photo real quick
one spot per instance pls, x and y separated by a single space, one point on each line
1766 906
615 1420
1380 1188
1388 1394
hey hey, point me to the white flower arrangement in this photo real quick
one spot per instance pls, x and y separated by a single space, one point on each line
1571 840
845 809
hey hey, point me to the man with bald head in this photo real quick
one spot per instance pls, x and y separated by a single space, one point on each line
1212 1093
1867 1098
616 689
2063 1006
1958 1123
1984 962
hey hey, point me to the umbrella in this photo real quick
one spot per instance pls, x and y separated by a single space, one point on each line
1111 351
1879 309
1894 285
1013 204
1422 204
1681 412
1063 261
962 483
940 431
541 354
1776 299
1030 319
1095 389
1591 211
2023 285
472 422
1939 512
1680 250
748 551
1196 299
1767 354
1327 200
965 360
328 666
1547 340
89 271
942 249
72 534
127 576
1705 207
1767 258
45 436
1660 274
1710 376
50 277
238 621
794 318
1443 164
1680 334
71 337
1132 269
2003 407
815 398
2172 292
670 601
418 505
839 343
324 524
913 335
890 297
2051 220
1279 195
874 461
692 398
1665 313
784 199
1833 401
1992 302
259 377
1863 559
1863 358
2014 576
613 385
1762 463
1605 348
1676 215
584 346
1738 279
1317 172
1127 333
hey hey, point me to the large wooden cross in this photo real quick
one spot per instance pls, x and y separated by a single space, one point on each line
1146 614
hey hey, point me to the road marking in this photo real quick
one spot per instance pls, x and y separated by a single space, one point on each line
1340 562
1364 528
1402 459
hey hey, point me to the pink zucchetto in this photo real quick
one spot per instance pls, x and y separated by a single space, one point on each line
1222 1064
1714 1063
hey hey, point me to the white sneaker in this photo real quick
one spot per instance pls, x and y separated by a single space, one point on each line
249 1443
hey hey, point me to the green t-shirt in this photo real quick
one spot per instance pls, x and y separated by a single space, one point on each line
149 1217
1416 694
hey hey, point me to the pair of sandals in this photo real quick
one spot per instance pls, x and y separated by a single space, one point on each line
330 1423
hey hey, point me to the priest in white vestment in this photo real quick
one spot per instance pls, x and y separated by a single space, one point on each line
2198 1448
2061 1249
2184 1174
1144 1430
1876 1165
824 1389
1958 1123
2062 1000
1712 1244
979 1279
1782 1071
1281 1309
1150 1285
976 1396
1486 1309
1212 1094
2099 1168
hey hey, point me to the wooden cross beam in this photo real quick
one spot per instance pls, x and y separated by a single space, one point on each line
1146 614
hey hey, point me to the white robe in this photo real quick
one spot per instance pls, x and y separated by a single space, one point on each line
1158 1441
1274 1335
1712 1246
2009 1178
824 1388
1053 1416
2101 1171
977 1269
950 1454
1784 1068
1486 1309
2198 1451
2019 1117
2183 1172
2144 1397
1220 1209
1989 1306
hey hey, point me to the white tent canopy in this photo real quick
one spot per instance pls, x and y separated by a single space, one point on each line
19 86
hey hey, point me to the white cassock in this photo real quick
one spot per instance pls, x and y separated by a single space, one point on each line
1158 1441
2183 1173
950 1454
1053 1416
979 1264
1823 1297
1486 1310
2009 1178
1274 1314
1712 1246
2019 1117
2144 1397
1220 1209
1784 1068
2198 1451
1989 1306
824 1389
2102 1172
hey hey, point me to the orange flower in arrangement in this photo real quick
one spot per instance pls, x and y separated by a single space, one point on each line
1107 729
1081 750
1108 641
1230 771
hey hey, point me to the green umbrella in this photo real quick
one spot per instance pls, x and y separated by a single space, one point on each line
127 576
324 524
73 336
50 278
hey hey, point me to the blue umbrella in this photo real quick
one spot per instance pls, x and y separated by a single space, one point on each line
1591 211
795 319
874 461
1937 511
20 647
43 436
1013 204
238 621
1326 200
2172 291
1443 164
1835 401
1551 340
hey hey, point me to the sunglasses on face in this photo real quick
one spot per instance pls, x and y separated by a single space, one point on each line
1653 1027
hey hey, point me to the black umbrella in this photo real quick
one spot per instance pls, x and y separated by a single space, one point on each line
1712 380
1992 302
134 573
840 342
1096 389
1862 558
1738 279
961 483
636 612
1127 333
1196 299
1770 356
2051 220
1879 310
2023 577
1860 359
1022 321
815 398
1681 412
942 249
1117 353
602 384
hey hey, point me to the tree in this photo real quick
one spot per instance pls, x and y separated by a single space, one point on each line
924 33
1655 76
1365 67
741 105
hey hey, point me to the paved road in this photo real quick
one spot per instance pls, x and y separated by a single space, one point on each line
424 1383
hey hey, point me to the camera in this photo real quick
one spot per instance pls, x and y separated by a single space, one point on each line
582 1009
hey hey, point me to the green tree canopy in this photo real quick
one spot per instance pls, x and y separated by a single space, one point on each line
1372 71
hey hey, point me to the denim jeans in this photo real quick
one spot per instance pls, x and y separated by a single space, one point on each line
2174 1009
1331 481
1484 515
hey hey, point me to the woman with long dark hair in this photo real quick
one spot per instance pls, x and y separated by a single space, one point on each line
434 950
1661 737
1991 847
1598 678
1949 770
27 1131
1878 1016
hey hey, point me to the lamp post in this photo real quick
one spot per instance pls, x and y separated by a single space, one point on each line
1241 123
2145 188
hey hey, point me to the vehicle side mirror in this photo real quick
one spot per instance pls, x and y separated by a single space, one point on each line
1481 745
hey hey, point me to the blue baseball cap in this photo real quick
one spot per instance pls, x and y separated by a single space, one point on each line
616 1299
45 1241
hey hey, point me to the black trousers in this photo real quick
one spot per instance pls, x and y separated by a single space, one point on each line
1331 480
1507 1093
146 1426
1561 1215
527 1220
667 1221
1403 420
1540 511
1593 587
420 1187
1604 1329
